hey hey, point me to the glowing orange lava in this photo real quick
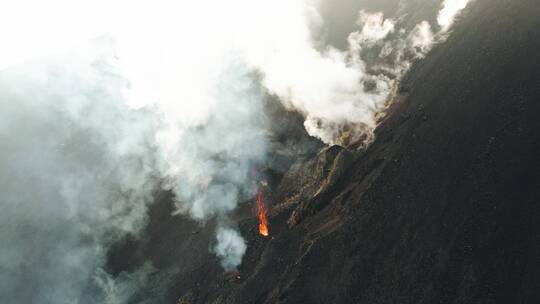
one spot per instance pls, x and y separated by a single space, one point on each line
261 214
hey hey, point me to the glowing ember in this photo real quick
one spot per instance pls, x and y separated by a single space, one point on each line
261 214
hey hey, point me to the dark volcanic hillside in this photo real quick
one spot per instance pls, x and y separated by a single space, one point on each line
442 208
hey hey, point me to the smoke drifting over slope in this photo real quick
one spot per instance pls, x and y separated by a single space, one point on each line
173 103
77 173
449 10
338 90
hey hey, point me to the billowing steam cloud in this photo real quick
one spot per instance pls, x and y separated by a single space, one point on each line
449 10
172 99
230 247
77 173
337 90
327 86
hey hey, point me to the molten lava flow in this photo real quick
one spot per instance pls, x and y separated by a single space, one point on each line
261 214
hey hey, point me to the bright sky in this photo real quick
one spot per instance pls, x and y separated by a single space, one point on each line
30 28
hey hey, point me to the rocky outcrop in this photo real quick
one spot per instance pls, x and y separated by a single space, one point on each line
315 181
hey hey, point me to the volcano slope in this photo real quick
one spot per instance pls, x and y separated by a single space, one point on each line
443 207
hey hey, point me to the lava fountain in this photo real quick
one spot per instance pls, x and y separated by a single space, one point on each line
262 214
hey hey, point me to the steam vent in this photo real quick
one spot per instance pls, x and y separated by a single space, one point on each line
270 152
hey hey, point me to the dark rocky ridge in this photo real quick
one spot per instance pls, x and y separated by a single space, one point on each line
443 207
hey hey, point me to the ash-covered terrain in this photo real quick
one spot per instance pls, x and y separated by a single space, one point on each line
442 207
298 151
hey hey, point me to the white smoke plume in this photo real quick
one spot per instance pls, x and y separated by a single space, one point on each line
89 135
230 248
337 90
374 28
326 85
77 171
172 98
449 10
